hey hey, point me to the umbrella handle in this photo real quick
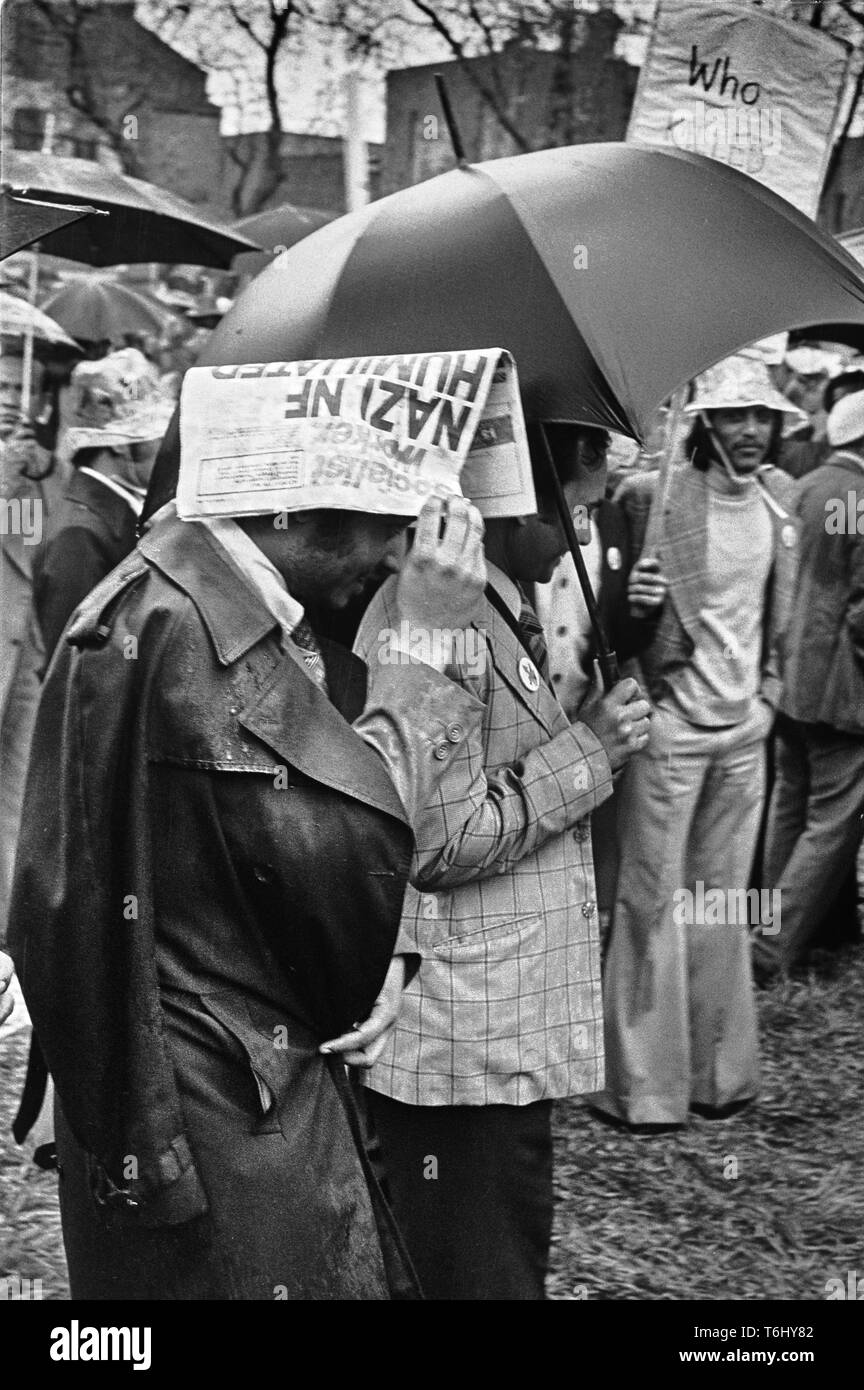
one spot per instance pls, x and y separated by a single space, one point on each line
29 333
607 661
607 665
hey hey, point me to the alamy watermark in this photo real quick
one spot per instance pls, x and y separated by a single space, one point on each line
720 907
77 1343
21 516
742 136
437 646
851 1288
845 516
14 1289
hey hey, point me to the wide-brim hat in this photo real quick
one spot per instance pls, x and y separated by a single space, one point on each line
116 400
738 382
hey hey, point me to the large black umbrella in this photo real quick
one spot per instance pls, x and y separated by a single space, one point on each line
613 273
146 223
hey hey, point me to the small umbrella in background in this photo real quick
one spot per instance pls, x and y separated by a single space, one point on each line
39 334
277 229
97 307
146 223
25 220
18 318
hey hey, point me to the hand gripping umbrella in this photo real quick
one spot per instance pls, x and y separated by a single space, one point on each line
613 273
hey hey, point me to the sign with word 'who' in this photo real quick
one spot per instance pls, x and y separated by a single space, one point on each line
746 87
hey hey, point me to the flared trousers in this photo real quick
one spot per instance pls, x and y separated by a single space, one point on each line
680 1020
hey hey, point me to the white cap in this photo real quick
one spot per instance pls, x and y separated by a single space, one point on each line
846 421
810 361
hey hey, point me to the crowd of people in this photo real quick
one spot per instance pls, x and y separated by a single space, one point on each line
338 929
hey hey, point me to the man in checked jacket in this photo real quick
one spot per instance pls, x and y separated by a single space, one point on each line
504 1014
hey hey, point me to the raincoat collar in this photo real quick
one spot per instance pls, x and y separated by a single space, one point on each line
233 613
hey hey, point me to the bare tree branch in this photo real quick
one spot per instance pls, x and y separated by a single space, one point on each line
245 24
80 90
489 96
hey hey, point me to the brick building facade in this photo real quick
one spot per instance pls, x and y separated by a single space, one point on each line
313 172
147 107
550 101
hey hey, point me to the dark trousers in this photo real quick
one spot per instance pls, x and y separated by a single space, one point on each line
814 829
471 1189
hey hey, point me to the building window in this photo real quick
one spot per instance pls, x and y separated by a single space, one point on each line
85 149
28 128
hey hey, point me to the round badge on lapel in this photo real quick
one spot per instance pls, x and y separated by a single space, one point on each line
613 557
788 536
528 674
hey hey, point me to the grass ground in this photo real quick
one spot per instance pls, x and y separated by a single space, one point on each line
766 1205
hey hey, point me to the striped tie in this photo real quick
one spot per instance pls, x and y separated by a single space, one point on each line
535 639
304 638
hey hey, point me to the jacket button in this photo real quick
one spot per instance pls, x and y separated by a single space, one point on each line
455 732
581 833
441 752
588 909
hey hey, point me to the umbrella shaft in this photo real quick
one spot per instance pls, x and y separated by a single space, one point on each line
606 658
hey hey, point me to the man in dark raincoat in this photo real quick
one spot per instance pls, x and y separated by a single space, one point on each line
208 890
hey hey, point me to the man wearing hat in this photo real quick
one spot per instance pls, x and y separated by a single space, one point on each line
504 1014
817 807
117 416
215 847
810 376
678 1000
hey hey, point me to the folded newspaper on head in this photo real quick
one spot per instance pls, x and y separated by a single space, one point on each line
368 434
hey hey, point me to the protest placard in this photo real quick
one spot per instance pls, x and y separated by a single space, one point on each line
375 434
747 87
